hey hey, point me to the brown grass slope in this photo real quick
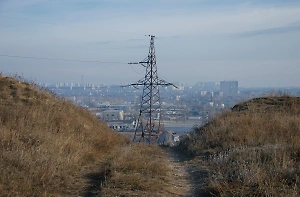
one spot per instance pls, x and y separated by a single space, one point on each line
253 150
49 147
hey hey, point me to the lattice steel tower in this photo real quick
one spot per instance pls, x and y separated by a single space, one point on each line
148 125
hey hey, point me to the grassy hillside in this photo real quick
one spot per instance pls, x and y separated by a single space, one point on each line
49 147
252 150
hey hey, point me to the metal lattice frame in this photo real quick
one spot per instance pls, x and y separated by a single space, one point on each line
148 125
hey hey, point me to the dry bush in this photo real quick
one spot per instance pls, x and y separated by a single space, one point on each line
253 150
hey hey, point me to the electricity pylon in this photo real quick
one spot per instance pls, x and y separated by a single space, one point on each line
148 125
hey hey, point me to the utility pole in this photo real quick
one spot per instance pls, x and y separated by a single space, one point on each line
148 125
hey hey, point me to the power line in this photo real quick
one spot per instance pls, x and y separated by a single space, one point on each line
74 26
59 59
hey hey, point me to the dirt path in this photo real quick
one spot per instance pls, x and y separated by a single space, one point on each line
190 175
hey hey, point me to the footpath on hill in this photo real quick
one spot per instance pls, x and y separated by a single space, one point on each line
189 177
190 174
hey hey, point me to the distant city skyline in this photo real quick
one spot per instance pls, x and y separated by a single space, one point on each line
254 42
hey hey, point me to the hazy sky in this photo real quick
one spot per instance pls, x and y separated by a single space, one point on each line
256 42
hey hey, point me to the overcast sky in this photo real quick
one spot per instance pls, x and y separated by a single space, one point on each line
255 42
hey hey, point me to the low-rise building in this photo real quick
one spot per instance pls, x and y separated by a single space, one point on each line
111 115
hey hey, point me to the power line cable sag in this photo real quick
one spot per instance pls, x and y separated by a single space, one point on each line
74 26
59 59
94 29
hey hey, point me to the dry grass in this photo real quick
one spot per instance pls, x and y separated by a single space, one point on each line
46 141
253 150
49 147
139 170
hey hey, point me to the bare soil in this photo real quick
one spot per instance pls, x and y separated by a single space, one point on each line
191 174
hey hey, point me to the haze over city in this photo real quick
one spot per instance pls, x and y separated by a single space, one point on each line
254 42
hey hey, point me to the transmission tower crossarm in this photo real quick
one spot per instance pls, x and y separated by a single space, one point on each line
138 63
142 62
165 83
175 86
138 83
